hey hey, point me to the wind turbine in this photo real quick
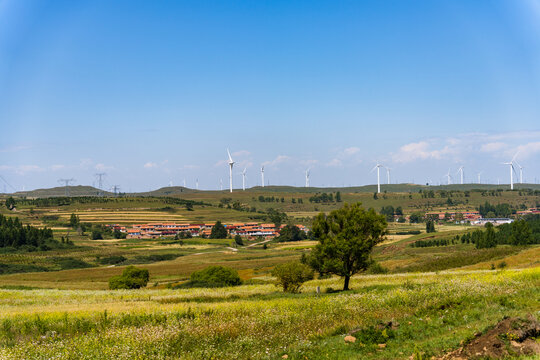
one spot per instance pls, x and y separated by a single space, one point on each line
262 175
197 184
221 184
378 167
448 177
512 170
460 170
480 173
520 172
307 178
231 163
388 174
244 179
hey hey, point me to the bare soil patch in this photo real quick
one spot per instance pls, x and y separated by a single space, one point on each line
510 337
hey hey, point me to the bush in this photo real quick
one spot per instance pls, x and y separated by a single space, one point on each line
112 260
376 268
96 235
131 278
238 240
292 275
215 276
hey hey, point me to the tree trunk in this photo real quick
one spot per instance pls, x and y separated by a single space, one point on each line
346 284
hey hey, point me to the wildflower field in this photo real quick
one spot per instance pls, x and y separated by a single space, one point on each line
430 314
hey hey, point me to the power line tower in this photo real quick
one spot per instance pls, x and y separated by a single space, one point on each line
66 182
116 189
100 182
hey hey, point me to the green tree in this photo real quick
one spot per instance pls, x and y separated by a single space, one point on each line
338 196
215 276
74 221
131 278
10 203
218 231
521 233
291 276
291 233
238 240
346 238
430 226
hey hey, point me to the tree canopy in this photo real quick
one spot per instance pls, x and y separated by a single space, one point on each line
218 231
346 238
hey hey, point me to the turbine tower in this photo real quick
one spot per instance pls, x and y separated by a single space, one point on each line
388 174
231 163
520 172
378 167
244 179
480 173
460 170
448 177
197 184
221 184
66 182
512 170
262 175
307 178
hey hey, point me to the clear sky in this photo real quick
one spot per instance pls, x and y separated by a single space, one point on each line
153 92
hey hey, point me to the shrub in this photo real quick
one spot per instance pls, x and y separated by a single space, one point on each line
112 260
292 275
96 235
376 268
238 240
131 278
215 276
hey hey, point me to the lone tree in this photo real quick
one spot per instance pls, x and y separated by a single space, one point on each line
218 231
346 238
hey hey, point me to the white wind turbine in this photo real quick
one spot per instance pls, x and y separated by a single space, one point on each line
244 179
480 173
512 170
520 172
231 163
262 175
448 177
378 167
221 184
307 178
460 170
388 174
197 184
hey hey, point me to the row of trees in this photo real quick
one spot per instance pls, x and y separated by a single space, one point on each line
14 234
325 198
500 210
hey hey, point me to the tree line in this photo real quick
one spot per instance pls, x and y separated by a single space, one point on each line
14 234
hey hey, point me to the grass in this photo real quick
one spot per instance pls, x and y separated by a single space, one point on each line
435 313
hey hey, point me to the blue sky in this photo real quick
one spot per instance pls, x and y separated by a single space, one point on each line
154 92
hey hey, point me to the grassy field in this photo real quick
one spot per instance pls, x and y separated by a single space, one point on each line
431 314
55 304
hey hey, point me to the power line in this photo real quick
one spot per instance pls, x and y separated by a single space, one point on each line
8 184
66 182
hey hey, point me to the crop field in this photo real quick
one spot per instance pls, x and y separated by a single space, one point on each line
431 314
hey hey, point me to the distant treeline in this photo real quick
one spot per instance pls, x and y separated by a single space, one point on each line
65 201
525 231
14 234
325 198
467 193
